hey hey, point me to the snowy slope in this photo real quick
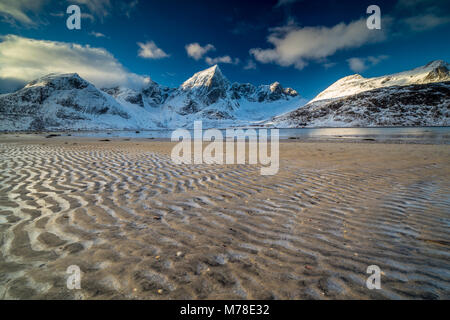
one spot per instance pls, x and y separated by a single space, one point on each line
209 96
435 71
413 105
67 102
420 97
61 101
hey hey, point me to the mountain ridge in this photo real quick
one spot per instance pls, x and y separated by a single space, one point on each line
434 71
417 97
420 96
66 101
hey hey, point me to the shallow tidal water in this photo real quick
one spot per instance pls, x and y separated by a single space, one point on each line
432 135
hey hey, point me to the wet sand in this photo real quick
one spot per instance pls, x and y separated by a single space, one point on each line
141 227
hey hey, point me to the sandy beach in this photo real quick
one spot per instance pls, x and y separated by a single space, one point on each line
141 227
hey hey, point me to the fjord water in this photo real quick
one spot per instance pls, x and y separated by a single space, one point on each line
440 135
419 134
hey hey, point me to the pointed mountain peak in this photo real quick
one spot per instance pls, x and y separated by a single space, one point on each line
436 64
213 71
210 77
215 67
276 84
276 87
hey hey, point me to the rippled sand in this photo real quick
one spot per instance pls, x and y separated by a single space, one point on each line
140 227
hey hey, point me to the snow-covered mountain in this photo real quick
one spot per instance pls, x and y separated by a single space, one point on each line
60 101
435 71
68 102
419 97
153 95
209 96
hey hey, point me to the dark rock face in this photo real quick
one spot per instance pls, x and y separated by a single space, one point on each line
420 105
153 94
156 94
190 108
214 95
112 91
276 92
242 90
217 115
136 99
37 125
290 92
438 74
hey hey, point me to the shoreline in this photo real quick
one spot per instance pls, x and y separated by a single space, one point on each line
221 128
58 136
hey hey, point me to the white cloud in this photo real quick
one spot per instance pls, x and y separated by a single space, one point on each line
422 15
223 59
376 60
357 64
294 45
30 12
105 8
129 7
20 10
87 16
99 8
97 34
329 65
426 22
251 65
362 64
196 51
416 6
24 59
83 15
150 50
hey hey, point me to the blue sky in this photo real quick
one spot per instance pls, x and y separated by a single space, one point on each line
305 44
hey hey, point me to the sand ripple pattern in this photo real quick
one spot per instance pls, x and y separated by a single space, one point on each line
141 227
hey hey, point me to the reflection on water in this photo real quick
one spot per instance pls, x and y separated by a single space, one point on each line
426 133
418 134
